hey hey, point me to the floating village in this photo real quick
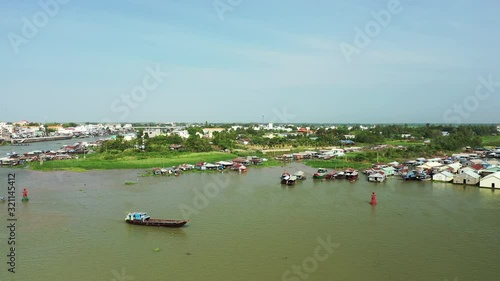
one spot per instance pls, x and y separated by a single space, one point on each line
464 169
474 166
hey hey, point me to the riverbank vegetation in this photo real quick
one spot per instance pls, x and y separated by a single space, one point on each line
379 144
116 160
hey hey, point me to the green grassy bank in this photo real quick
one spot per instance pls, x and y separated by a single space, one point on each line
106 161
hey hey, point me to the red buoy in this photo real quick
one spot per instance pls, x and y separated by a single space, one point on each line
25 193
374 199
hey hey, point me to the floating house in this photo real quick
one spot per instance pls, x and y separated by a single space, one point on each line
388 171
377 177
467 169
489 171
444 176
300 175
429 166
491 181
467 177
454 167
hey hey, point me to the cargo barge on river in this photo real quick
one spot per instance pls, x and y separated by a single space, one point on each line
139 218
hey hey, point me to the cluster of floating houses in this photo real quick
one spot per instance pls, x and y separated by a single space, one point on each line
322 173
65 152
464 169
480 169
291 179
238 164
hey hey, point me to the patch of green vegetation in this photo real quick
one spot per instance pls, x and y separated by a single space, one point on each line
402 142
107 161
130 183
491 141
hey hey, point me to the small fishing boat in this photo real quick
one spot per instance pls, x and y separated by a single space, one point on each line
284 177
139 218
351 174
239 167
292 180
300 175
340 175
331 176
320 174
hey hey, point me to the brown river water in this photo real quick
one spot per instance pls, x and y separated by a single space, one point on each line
248 227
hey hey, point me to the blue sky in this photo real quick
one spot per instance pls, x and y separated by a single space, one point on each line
281 59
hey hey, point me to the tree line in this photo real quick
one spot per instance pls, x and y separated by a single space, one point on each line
441 138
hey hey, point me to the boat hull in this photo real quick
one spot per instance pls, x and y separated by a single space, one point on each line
159 222
319 176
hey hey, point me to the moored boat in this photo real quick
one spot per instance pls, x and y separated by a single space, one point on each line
351 174
340 175
292 180
320 174
331 175
284 177
139 218
300 175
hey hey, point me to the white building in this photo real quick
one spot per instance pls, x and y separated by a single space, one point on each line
66 131
444 176
454 167
466 169
467 177
491 181
429 166
181 133
129 137
153 132
209 132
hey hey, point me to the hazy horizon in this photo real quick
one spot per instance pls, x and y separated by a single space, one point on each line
331 62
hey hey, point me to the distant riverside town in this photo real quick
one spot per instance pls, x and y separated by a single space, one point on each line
462 154
23 130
